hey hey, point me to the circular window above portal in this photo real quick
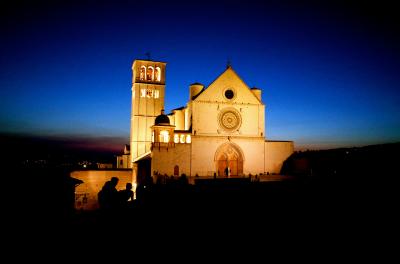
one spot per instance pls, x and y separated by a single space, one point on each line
229 94
229 119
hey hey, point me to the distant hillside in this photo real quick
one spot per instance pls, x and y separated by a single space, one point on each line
18 149
374 160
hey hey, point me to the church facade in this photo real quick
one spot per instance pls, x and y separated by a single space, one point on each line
220 132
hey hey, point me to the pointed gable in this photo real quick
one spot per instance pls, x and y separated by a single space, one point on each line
228 80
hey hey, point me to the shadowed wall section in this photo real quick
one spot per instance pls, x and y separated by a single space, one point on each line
276 152
93 181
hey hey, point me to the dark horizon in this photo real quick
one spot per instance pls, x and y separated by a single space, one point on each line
88 146
115 144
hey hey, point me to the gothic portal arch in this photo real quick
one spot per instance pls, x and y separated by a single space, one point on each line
229 155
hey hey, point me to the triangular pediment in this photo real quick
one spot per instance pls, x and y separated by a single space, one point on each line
228 80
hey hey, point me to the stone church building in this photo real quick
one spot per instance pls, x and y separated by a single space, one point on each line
220 131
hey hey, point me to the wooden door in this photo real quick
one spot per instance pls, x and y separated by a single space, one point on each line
233 167
222 164
240 167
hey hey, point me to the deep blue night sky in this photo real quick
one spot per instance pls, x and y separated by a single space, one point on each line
329 72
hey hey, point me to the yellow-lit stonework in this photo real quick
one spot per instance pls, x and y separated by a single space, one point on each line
93 181
219 133
148 90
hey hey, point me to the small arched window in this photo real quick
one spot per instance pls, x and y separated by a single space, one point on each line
176 138
188 139
164 136
176 170
158 74
142 73
150 73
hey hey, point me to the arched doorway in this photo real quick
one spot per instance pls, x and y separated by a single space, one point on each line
176 170
230 156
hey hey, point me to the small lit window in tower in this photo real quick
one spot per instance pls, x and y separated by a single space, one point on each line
182 138
149 93
188 139
176 138
142 73
150 73
156 93
158 74
143 93
152 136
164 136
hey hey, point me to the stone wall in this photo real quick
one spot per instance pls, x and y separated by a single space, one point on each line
276 152
93 181
204 149
164 160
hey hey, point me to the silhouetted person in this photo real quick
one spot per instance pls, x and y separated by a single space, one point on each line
108 196
126 196
226 172
141 191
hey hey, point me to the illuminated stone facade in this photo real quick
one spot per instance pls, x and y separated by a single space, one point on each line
220 131
124 160
148 89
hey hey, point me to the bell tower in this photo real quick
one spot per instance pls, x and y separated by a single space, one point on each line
148 90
